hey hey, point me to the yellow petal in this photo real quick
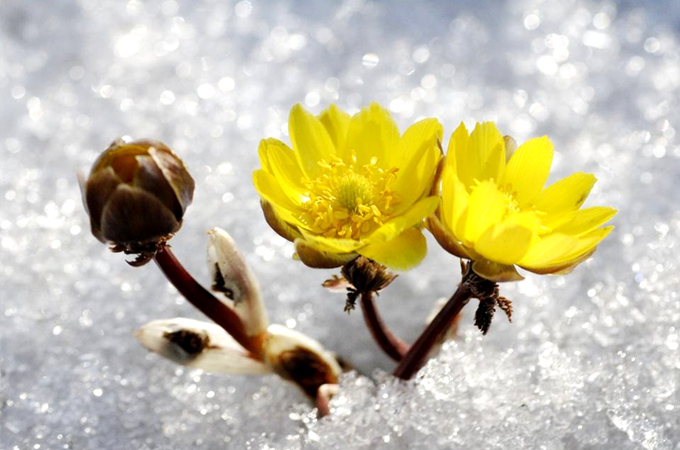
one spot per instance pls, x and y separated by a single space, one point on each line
336 122
488 148
494 166
283 165
564 268
458 157
445 238
270 190
310 140
262 154
411 218
372 133
312 256
558 248
487 206
329 244
417 157
417 139
401 253
565 195
549 247
281 227
580 222
454 202
505 243
484 138
414 181
528 169
528 219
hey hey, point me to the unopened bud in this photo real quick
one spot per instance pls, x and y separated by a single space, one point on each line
233 280
367 275
364 275
299 358
201 345
136 195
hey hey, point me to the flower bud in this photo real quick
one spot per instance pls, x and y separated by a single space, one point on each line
297 357
367 275
235 283
136 195
364 275
201 345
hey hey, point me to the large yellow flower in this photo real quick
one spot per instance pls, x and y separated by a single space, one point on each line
351 186
498 214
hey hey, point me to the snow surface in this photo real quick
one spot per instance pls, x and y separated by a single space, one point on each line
592 360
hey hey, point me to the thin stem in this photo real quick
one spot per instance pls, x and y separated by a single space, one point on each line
389 343
414 359
202 299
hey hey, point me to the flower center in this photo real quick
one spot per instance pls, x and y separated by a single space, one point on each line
353 190
513 208
348 200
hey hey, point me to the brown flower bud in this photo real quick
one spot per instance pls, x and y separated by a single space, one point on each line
367 275
136 195
364 275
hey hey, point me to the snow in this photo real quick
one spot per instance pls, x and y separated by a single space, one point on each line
591 360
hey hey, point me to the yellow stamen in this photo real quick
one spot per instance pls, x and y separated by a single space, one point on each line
347 200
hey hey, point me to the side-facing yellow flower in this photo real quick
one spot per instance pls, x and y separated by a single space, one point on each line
498 214
350 186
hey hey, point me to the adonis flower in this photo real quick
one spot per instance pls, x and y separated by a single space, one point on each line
498 214
350 186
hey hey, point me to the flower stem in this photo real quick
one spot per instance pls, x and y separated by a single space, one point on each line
389 343
414 359
202 299
323 399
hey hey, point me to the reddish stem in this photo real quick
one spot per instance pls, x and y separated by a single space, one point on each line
414 359
389 343
202 299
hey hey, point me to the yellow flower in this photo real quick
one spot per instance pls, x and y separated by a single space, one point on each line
497 213
350 186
